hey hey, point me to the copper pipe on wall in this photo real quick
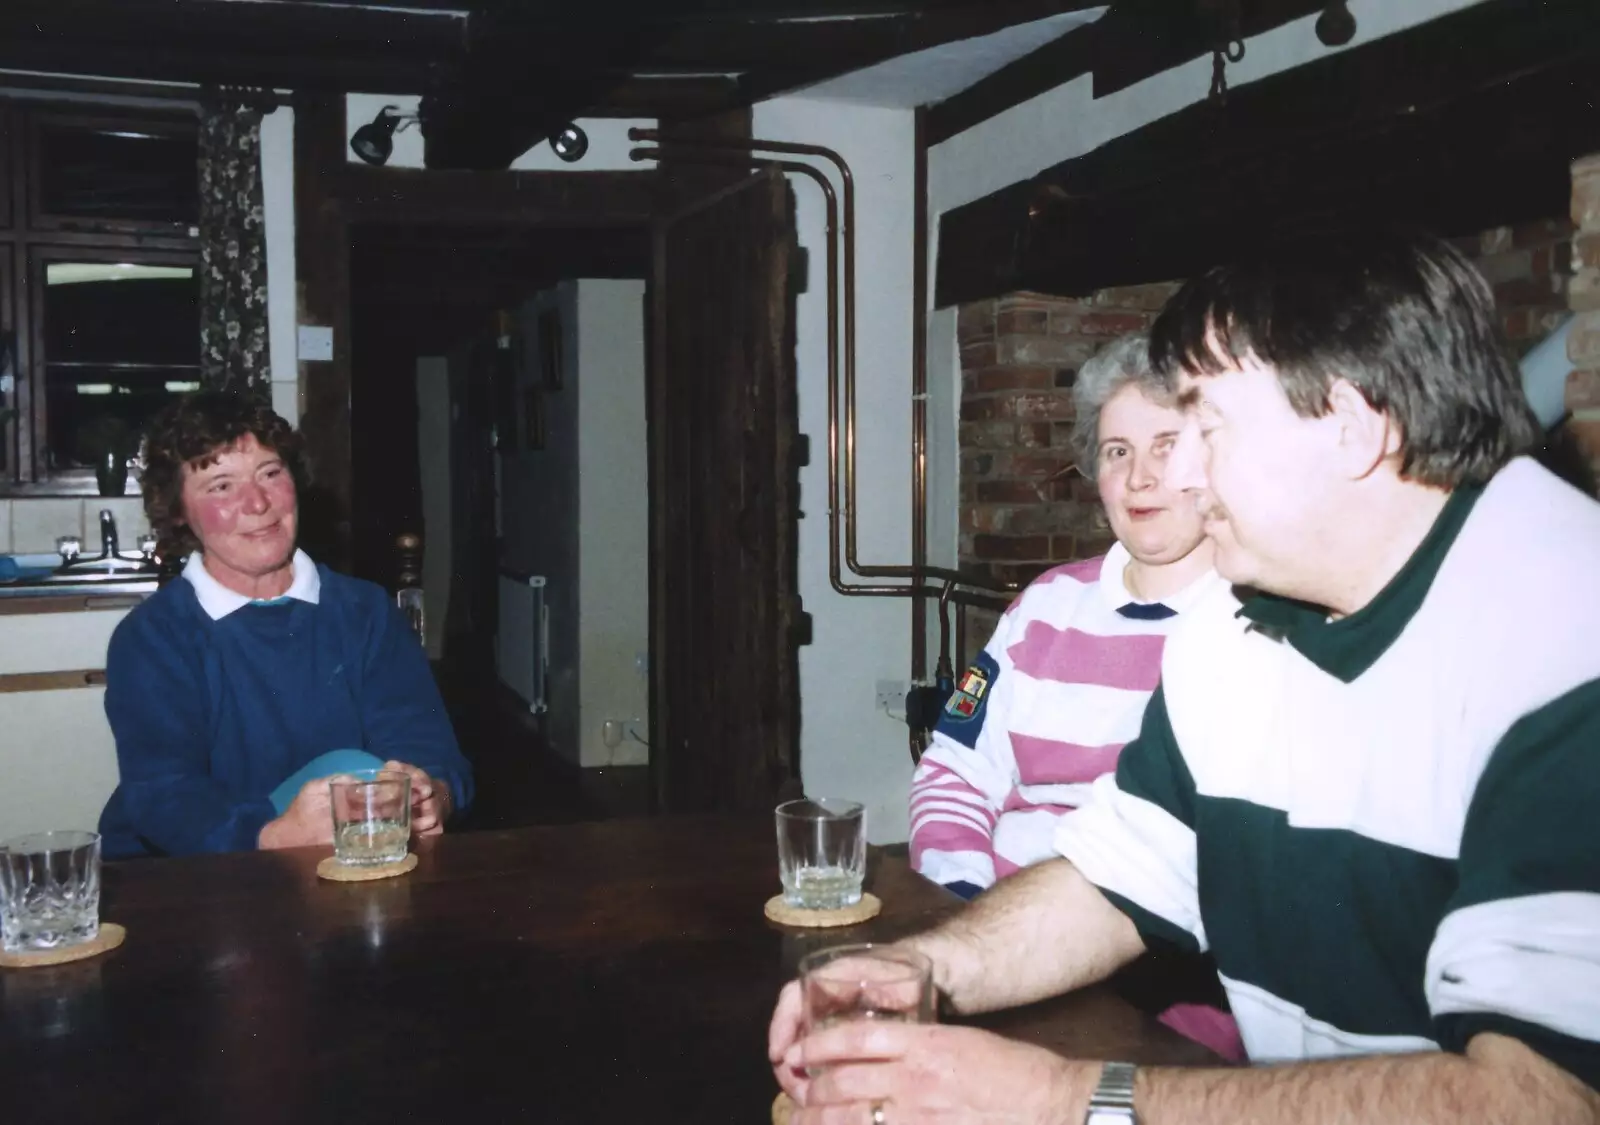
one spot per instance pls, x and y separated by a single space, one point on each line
717 151
919 395
831 204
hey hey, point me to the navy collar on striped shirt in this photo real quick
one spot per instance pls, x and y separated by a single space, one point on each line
1147 611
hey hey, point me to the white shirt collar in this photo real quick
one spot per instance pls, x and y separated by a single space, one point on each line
1114 583
218 601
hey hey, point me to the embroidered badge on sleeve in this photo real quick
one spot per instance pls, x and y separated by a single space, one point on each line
965 709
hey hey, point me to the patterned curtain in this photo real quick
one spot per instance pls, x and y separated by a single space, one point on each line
233 253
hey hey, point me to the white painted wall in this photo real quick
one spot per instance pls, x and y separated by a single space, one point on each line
608 139
847 747
277 203
1068 121
944 449
614 517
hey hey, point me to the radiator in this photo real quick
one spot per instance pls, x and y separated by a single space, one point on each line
522 639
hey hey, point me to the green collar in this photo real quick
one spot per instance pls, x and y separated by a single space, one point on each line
1349 646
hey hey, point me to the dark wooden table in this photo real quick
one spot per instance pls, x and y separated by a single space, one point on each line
610 972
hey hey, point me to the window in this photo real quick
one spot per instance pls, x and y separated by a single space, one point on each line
99 285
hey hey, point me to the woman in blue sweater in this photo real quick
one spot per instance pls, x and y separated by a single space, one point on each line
237 688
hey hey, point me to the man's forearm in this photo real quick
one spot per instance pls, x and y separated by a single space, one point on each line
1043 931
1499 1080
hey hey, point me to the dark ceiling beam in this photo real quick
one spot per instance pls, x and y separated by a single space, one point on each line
206 41
554 199
219 67
1460 124
1142 38
439 8
754 45
657 11
499 104
653 96
927 30
269 28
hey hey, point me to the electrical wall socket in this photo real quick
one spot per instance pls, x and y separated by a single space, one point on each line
890 694
617 732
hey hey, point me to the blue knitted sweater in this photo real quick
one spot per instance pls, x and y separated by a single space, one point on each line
210 716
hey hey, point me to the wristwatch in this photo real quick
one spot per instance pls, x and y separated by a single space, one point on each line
1112 1100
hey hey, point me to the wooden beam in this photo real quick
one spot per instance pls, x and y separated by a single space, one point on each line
665 96
1468 120
557 199
256 28
202 66
1142 38
322 253
502 103
206 41
903 37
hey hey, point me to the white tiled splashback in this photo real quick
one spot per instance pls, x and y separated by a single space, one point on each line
32 525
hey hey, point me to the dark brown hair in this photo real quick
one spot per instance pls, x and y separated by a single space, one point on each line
195 431
1406 320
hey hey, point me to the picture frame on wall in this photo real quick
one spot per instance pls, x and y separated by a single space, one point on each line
550 350
533 423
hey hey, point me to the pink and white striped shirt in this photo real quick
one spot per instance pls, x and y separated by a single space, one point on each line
1045 709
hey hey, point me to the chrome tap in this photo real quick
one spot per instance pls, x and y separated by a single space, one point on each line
108 534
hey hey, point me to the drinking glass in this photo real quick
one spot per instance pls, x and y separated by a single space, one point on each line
866 982
49 890
822 852
371 817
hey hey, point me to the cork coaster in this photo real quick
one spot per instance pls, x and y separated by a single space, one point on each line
782 1109
111 935
337 872
785 915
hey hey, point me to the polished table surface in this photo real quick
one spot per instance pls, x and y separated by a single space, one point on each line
610 972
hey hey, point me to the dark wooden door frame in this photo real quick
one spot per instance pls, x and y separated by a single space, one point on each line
752 753
332 195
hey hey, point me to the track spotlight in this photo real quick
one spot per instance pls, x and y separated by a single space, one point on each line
374 141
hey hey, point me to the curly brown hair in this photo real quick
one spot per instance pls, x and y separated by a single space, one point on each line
195 431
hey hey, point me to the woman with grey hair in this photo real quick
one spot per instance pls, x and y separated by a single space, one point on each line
1062 685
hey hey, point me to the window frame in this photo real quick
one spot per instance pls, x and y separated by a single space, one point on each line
27 246
14 397
35 218
10 166
40 257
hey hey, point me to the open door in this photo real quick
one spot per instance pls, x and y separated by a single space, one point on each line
724 606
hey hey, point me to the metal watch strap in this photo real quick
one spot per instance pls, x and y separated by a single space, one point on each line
1113 1096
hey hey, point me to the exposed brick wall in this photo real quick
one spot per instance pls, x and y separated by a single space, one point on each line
1024 509
1583 345
1530 267
1023 506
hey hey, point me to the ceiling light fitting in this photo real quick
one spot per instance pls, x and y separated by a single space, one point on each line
1336 26
570 143
374 141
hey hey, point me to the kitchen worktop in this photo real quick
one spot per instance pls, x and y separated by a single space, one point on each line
58 596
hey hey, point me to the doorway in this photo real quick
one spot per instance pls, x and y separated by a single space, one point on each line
439 322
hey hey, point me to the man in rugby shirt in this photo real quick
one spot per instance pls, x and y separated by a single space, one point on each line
1369 789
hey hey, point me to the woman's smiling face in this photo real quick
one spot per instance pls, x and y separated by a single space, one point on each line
243 509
